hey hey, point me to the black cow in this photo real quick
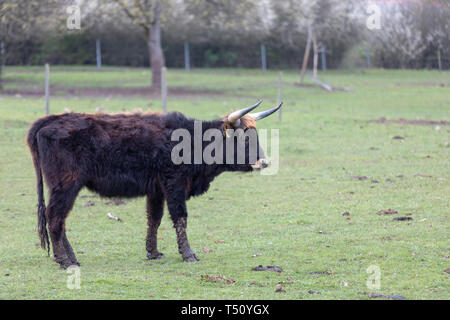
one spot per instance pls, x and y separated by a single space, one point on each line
126 155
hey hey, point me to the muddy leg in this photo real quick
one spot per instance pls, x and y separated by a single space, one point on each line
60 204
175 192
155 210
69 250
183 244
56 228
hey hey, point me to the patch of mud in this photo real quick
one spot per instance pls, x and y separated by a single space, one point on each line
413 122
280 289
388 211
328 273
268 268
219 279
116 202
89 204
403 219
304 85
360 178
112 92
422 84
377 295
88 196
313 292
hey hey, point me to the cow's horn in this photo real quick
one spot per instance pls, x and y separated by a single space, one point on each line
236 115
263 114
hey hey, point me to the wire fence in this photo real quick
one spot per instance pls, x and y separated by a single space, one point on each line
130 52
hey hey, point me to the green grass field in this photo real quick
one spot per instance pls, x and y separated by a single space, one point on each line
293 220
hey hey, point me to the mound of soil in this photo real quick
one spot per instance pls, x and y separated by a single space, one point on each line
111 92
413 122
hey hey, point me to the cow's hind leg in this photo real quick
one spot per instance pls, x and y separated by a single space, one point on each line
69 250
155 210
60 204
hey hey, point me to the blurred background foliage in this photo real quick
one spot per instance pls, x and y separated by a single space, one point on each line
223 33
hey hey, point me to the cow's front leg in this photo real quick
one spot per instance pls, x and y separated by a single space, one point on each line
183 244
155 210
176 203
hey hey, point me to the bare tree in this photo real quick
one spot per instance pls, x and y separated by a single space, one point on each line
401 41
147 14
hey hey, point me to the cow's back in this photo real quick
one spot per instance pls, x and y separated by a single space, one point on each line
115 155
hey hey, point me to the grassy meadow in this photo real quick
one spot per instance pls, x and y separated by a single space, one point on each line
334 158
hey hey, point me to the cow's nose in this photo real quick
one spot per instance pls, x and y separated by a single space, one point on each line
264 163
260 164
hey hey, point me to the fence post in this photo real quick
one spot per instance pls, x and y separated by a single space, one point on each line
99 54
164 89
47 89
2 62
324 58
187 57
439 59
263 57
368 57
2 52
280 93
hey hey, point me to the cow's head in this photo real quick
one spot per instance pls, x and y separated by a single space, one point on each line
240 126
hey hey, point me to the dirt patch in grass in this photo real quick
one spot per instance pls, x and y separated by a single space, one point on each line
111 92
413 122
388 211
219 279
328 273
268 268
304 85
360 178
116 202
422 84
402 219
385 296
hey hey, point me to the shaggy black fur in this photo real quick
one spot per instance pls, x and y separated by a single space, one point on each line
123 155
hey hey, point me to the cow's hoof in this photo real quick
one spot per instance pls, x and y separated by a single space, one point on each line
191 258
155 255
67 263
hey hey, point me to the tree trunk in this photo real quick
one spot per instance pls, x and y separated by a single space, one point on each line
157 60
1 75
2 62
306 56
316 56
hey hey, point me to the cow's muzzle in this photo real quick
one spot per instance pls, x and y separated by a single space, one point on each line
260 164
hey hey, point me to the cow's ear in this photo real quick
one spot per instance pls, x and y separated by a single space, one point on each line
226 125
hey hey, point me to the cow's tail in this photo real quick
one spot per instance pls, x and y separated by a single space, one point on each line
33 143
42 220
